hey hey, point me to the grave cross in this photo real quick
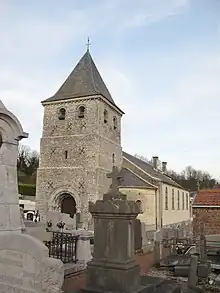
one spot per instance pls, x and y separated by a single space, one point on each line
114 188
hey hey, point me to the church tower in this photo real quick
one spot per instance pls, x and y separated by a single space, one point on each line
81 141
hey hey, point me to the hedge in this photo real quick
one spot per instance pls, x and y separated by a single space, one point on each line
27 189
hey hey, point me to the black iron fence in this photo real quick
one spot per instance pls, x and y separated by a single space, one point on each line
63 246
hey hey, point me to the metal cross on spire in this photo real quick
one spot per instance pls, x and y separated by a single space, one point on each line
88 44
114 188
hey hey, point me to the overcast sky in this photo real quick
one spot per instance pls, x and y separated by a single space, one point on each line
159 58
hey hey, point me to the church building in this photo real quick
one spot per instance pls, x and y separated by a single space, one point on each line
80 143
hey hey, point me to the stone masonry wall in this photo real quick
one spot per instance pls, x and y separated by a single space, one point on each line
76 153
211 219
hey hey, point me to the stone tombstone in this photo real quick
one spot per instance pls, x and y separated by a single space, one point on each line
202 244
157 248
144 235
165 233
113 267
11 133
193 272
83 246
55 217
25 266
137 235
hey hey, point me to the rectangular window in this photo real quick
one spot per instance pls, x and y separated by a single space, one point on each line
166 198
183 201
178 200
187 201
173 204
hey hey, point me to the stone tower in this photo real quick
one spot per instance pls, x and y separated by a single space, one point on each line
81 141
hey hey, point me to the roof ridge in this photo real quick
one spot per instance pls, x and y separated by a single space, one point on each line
91 72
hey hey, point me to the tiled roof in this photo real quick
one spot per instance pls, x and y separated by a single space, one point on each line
131 179
207 197
148 168
84 80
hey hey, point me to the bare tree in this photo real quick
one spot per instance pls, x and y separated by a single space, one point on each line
27 163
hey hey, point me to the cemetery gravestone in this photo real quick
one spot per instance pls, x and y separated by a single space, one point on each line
113 267
193 277
157 248
25 266
137 235
202 244
145 241
55 217
11 133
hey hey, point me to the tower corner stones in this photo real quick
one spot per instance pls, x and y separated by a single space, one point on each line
81 140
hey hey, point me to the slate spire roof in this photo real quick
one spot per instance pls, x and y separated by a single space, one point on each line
84 80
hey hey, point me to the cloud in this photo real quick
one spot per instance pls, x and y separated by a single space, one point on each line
170 97
30 31
150 12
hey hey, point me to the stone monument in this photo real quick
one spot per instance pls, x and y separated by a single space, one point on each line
113 267
25 265
11 133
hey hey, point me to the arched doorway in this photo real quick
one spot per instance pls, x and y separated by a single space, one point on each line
68 205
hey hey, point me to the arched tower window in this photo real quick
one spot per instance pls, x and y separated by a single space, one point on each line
105 116
113 159
81 112
62 114
115 123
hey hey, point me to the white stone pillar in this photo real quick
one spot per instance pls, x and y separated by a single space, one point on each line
83 246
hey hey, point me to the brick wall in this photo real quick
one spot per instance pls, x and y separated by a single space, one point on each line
210 217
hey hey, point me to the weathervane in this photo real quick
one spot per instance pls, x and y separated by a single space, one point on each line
88 44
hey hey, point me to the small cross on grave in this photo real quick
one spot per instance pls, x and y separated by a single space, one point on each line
116 180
